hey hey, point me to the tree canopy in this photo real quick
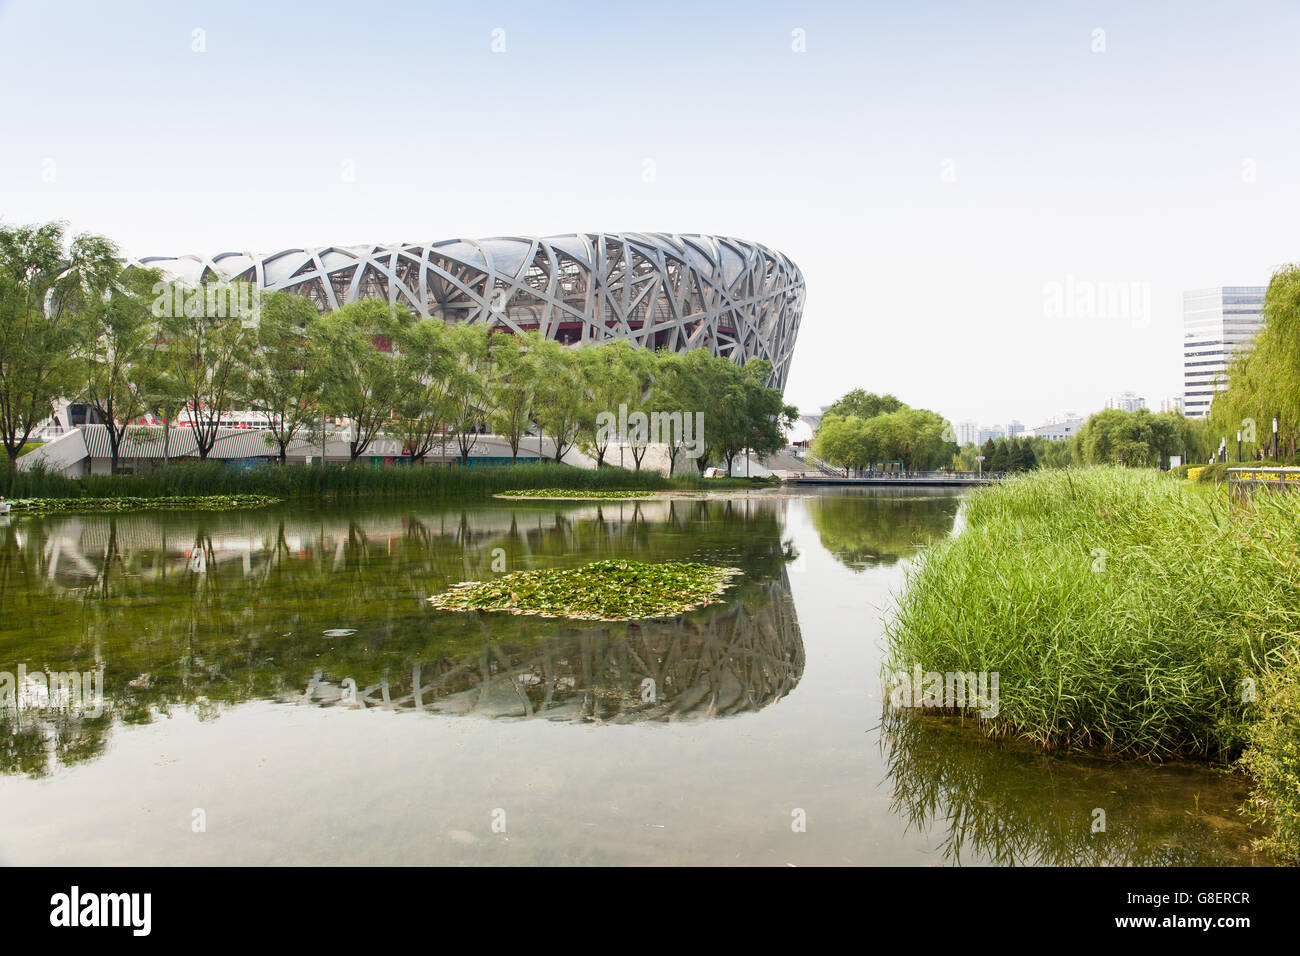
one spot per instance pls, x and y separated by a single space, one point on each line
1138 439
863 429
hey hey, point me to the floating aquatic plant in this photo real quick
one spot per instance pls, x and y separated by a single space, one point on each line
43 506
575 493
601 591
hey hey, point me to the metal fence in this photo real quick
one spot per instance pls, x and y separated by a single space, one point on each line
1246 481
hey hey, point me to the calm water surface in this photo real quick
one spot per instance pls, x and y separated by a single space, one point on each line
281 672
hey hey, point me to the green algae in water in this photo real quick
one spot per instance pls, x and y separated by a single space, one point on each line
576 494
601 591
45 506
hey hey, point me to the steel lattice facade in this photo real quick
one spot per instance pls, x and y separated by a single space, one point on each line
738 299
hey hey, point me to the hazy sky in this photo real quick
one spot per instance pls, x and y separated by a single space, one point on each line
937 170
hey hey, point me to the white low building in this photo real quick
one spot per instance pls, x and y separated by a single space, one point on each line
1059 428
85 450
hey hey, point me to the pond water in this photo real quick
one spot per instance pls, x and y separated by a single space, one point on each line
277 690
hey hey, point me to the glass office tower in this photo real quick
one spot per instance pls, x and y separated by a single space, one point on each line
1216 322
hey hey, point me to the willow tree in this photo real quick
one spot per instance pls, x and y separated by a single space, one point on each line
510 388
360 366
863 404
562 406
914 436
426 403
1138 439
672 395
204 354
845 441
118 342
607 383
643 367
1264 379
44 290
467 398
285 371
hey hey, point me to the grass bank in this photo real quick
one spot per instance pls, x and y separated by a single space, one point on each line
1128 611
330 482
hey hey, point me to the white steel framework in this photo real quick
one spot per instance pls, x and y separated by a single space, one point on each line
738 299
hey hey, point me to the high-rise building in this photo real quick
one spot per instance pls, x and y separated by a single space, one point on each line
1015 429
1172 403
967 433
1216 323
1126 401
993 432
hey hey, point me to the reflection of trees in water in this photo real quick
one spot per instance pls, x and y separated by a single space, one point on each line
723 661
29 740
1007 803
883 530
207 610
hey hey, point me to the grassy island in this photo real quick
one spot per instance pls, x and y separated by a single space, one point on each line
1125 611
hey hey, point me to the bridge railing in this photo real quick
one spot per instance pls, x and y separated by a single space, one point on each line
1245 480
825 468
901 476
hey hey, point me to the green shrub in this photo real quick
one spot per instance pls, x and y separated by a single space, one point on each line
1215 474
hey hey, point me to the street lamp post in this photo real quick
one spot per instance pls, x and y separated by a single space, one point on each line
1275 439
979 463
1239 446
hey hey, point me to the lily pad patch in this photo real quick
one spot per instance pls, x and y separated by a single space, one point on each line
576 494
601 591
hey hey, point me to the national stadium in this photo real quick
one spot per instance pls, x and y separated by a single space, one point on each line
738 299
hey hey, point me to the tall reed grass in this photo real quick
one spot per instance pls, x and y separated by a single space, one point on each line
1273 759
324 482
1122 609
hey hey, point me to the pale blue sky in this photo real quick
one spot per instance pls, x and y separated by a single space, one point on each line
1171 159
